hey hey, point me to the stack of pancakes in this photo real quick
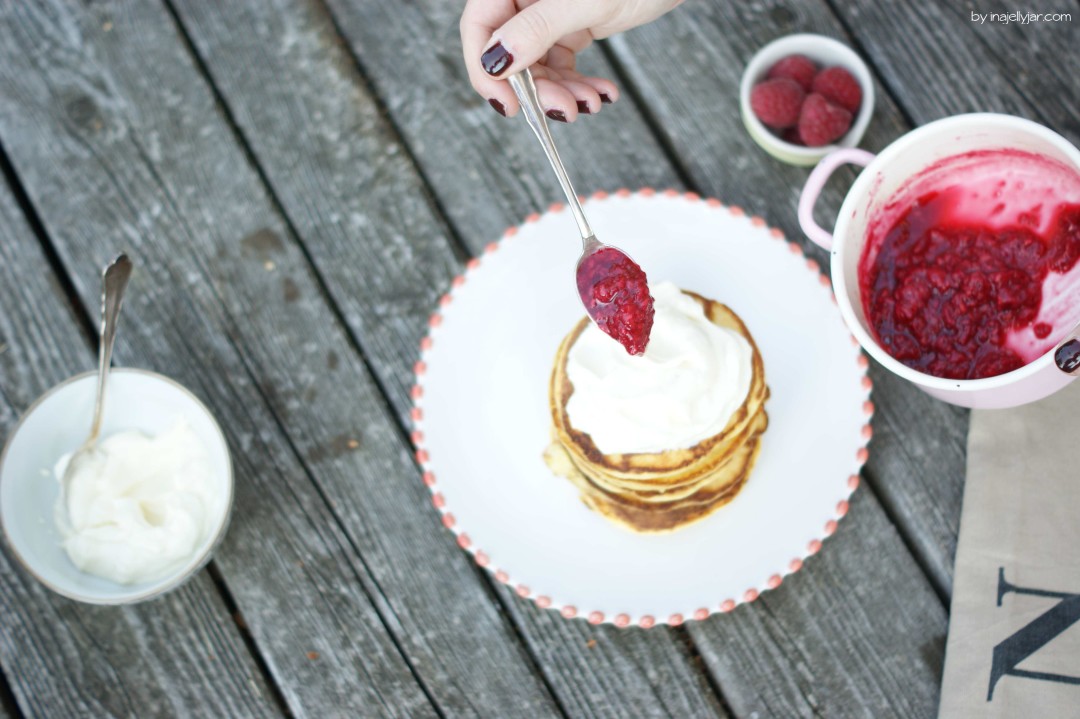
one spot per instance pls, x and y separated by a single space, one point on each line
662 491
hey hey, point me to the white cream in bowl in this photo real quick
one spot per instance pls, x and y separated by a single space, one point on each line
141 507
140 402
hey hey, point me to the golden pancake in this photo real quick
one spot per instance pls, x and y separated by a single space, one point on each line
650 516
660 491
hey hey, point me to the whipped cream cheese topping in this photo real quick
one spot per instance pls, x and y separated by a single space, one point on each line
141 507
682 390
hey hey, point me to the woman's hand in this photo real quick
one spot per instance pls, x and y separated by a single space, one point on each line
503 37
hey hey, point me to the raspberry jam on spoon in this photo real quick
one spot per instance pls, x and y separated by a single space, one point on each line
612 286
616 295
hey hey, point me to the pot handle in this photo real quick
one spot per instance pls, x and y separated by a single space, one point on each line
814 184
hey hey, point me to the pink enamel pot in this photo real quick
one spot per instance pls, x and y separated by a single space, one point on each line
889 173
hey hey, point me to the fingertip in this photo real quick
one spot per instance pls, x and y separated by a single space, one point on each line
608 91
504 103
494 92
559 103
586 98
512 108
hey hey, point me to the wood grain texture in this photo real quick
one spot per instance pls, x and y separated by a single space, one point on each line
487 171
854 634
385 255
343 179
938 62
688 78
917 465
609 672
62 658
120 144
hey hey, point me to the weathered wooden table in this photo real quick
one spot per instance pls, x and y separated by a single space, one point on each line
298 181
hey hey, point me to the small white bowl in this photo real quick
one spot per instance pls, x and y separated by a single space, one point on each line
826 52
56 424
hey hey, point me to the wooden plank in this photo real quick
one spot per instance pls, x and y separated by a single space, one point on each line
854 624
335 557
938 62
917 461
350 190
603 671
490 153
119 143
487 172
63 658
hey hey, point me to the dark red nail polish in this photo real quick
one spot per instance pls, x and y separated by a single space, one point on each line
557 115
583 107
605 99
496 59
499 108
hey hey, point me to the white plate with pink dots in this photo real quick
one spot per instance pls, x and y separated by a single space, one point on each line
482 421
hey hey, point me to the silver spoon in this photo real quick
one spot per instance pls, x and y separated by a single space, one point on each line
592 267
114 280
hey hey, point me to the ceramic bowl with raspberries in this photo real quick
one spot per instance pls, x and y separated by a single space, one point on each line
803 96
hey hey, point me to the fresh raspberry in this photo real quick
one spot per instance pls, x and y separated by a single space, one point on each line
821 121
839 86
799 68
776 102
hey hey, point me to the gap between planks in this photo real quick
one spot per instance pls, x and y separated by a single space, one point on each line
30 213
378 601
249 641
871 63
634 92
870 481
461 253
939 584
661 138
8 706
682 174
86 325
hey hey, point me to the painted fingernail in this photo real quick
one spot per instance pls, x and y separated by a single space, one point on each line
557 115
605 99
499 108
583 107
496 59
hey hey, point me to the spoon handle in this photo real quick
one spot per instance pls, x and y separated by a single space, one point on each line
525 89
114 280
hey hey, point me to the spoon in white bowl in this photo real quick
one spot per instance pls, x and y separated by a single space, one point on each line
114 280
612 286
